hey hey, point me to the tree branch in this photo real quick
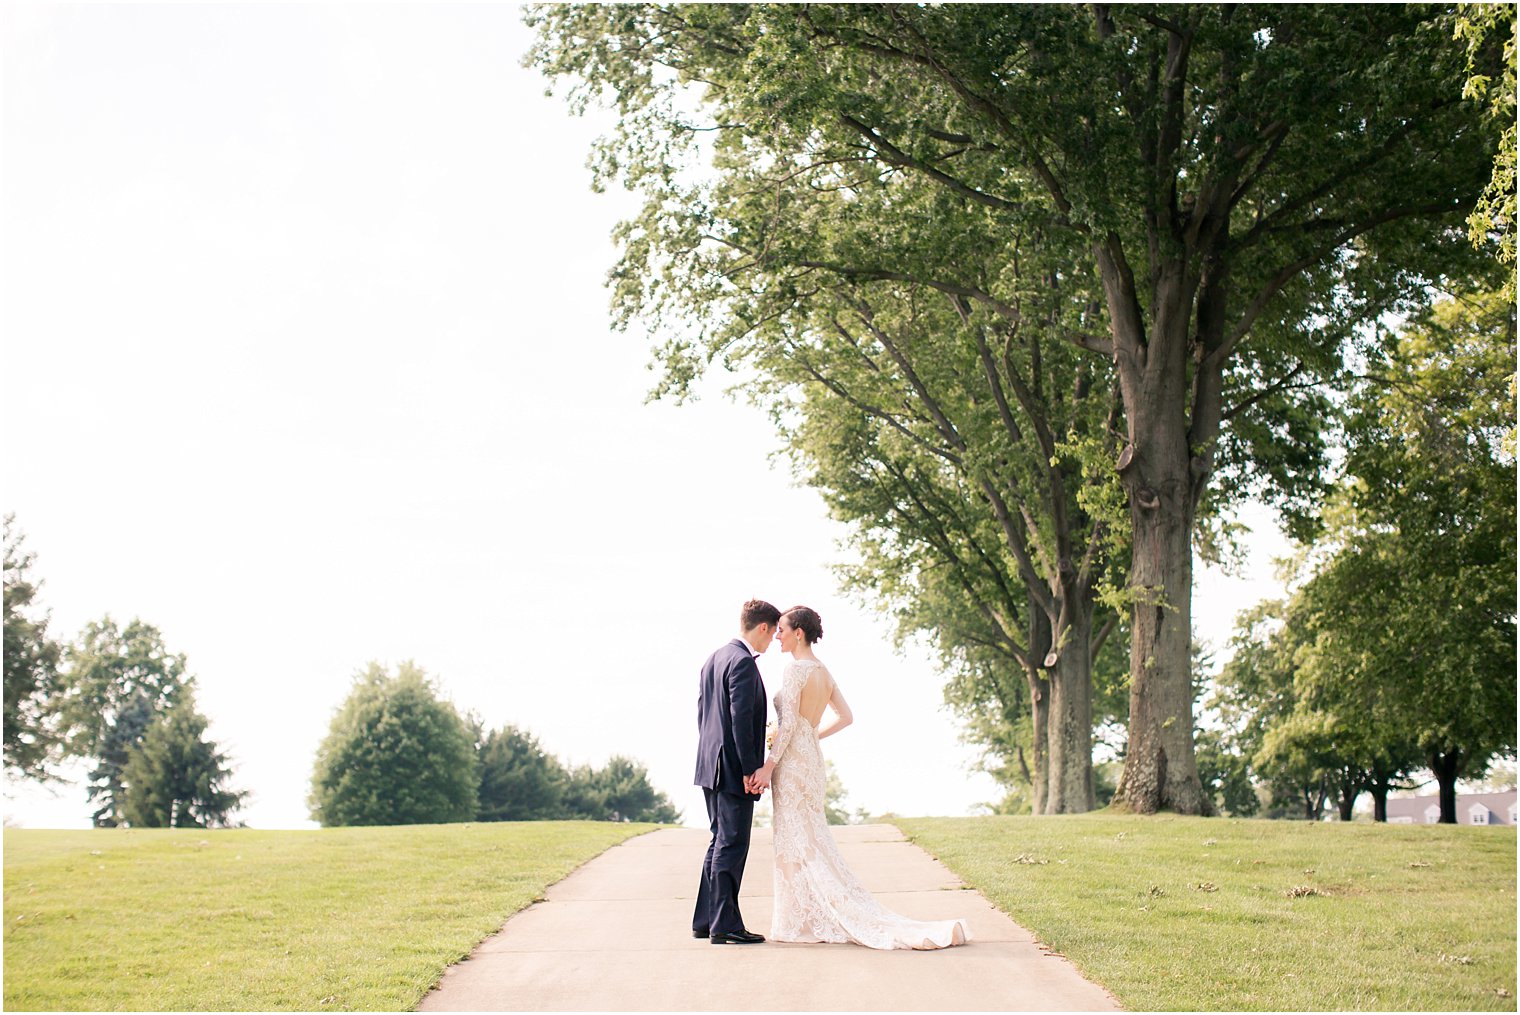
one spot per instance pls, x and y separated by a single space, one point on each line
897 157
1217 356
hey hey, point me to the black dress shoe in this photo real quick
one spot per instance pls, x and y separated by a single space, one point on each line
738 937
699 934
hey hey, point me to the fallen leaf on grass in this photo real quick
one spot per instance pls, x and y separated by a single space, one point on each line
1456 960
1419 863
1210 842
1302 891
1502 992
1026 858
1156 891
1206 886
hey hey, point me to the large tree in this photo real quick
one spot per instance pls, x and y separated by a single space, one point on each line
519 780
395 754
1413 613
969 512
1243 183
115 681
618 791
176 778
931 548
32 740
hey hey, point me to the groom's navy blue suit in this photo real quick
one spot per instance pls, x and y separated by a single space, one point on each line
731 744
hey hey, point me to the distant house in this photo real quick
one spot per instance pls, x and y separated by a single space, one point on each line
1472 809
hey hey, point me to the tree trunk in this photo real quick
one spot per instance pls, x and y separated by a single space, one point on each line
1379 782
1160 772
1380 801
1349 783
1447 768
1039 703
1070 721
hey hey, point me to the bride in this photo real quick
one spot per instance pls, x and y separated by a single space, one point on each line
817 897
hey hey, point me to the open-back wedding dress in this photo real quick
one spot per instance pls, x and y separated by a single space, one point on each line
817 897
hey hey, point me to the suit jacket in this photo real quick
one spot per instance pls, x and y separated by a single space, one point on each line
731 714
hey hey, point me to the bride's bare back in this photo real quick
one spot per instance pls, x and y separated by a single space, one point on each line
821 692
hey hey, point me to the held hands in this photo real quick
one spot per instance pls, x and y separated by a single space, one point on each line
759 780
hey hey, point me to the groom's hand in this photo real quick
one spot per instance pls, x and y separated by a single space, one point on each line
761 778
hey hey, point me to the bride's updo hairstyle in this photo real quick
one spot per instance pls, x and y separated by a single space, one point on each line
807 621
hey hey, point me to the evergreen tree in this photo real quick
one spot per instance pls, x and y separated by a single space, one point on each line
176 778
519 780
32 741
395 754
115 681
619 791
106 785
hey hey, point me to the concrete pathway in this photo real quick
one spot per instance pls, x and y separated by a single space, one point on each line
615 935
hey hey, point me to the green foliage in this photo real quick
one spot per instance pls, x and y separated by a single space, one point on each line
1193 914
1226 774
945 146
395 754
519 780
175 778
32 740
336 919
1397 650
106 785
618 791
1201 205
1486 27
1413 614
115 682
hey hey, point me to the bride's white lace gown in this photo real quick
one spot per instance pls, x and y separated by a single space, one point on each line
817 897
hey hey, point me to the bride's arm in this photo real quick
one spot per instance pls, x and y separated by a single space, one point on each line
842 715
786 720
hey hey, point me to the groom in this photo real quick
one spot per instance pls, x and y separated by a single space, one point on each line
730 750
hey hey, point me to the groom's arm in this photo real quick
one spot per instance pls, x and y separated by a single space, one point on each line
745 694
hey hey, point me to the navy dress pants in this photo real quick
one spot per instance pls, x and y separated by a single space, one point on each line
729 815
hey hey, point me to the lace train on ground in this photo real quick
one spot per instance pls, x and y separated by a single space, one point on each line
818 897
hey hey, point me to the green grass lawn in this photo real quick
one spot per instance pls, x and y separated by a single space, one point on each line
241 919
1174 913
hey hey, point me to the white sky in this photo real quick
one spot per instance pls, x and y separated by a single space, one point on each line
307 362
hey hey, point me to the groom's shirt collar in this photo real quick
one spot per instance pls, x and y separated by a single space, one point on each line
745 646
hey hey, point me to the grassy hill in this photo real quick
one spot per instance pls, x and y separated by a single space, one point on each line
1169 913
1175 913
240 919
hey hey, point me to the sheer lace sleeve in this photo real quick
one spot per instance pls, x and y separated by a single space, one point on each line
787 713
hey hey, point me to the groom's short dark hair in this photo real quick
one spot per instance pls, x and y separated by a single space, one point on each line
757 612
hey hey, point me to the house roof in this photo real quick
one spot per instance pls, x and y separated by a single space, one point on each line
1414 806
